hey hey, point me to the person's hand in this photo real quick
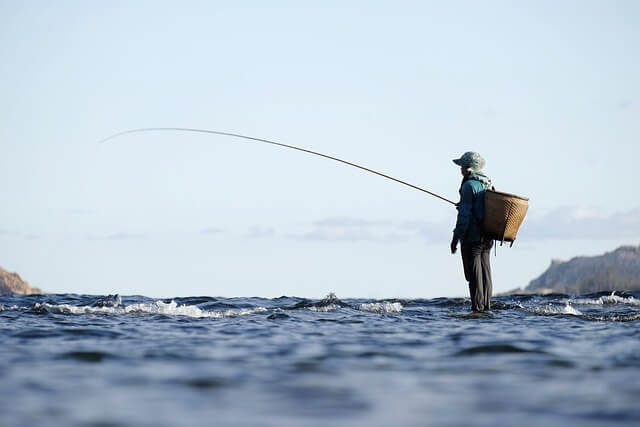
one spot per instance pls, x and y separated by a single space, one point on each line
454 245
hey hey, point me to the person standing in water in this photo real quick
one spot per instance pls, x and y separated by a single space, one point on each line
475 248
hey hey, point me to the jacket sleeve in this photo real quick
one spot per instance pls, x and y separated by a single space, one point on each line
465 212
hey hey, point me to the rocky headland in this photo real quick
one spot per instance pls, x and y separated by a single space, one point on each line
618 270
12 283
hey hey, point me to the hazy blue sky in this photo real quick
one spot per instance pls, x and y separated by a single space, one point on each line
547 91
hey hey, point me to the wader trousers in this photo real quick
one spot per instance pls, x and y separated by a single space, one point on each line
477 271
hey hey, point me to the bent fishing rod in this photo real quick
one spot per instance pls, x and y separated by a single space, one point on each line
304 150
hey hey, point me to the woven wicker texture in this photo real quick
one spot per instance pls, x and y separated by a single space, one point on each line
503 214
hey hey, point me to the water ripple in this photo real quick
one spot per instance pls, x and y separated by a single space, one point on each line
78 360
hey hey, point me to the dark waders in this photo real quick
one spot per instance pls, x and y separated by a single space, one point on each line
477 271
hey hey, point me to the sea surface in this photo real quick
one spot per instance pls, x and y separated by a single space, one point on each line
554 360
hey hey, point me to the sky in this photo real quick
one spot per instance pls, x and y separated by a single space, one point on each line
547 91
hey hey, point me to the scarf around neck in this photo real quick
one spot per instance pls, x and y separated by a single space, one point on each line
480 177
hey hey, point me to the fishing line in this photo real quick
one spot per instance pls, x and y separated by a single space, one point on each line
235 135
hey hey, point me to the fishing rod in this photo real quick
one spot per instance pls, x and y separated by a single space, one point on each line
235 135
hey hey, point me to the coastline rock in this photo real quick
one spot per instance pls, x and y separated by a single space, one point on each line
618 270
12 283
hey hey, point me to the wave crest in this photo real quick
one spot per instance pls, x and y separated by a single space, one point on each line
554 310
324 308
381 307
612 299
158 307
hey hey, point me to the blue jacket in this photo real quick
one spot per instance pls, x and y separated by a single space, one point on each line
470 211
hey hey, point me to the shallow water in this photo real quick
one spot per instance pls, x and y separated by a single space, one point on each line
82 360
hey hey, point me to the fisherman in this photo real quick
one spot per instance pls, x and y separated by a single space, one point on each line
475 248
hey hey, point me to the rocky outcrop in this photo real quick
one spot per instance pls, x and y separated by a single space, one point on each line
618 270
11 283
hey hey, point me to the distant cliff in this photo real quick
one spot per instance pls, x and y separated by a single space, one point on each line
11 283
614 271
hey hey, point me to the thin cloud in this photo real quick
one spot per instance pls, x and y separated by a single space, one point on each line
19 235
78 211
259 232
352 229
580 222
126 236
350 222
211 230
335 234
120 236
625 104
393 237
430 232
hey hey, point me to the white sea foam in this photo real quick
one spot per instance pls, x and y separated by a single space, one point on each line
157 307
612 299
324 308
381 307
550 309
374 307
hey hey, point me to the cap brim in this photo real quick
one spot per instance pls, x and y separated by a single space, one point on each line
458 162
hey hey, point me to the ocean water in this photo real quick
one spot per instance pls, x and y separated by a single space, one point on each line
555 360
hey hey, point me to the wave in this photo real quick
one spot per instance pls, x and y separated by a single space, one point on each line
373 307
494 349
329 303
324 308
599 307
112 305
554 310
158 307
332 303
381 307
108 301
10 308
612 299
614 318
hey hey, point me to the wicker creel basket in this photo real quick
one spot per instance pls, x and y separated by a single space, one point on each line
503 214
